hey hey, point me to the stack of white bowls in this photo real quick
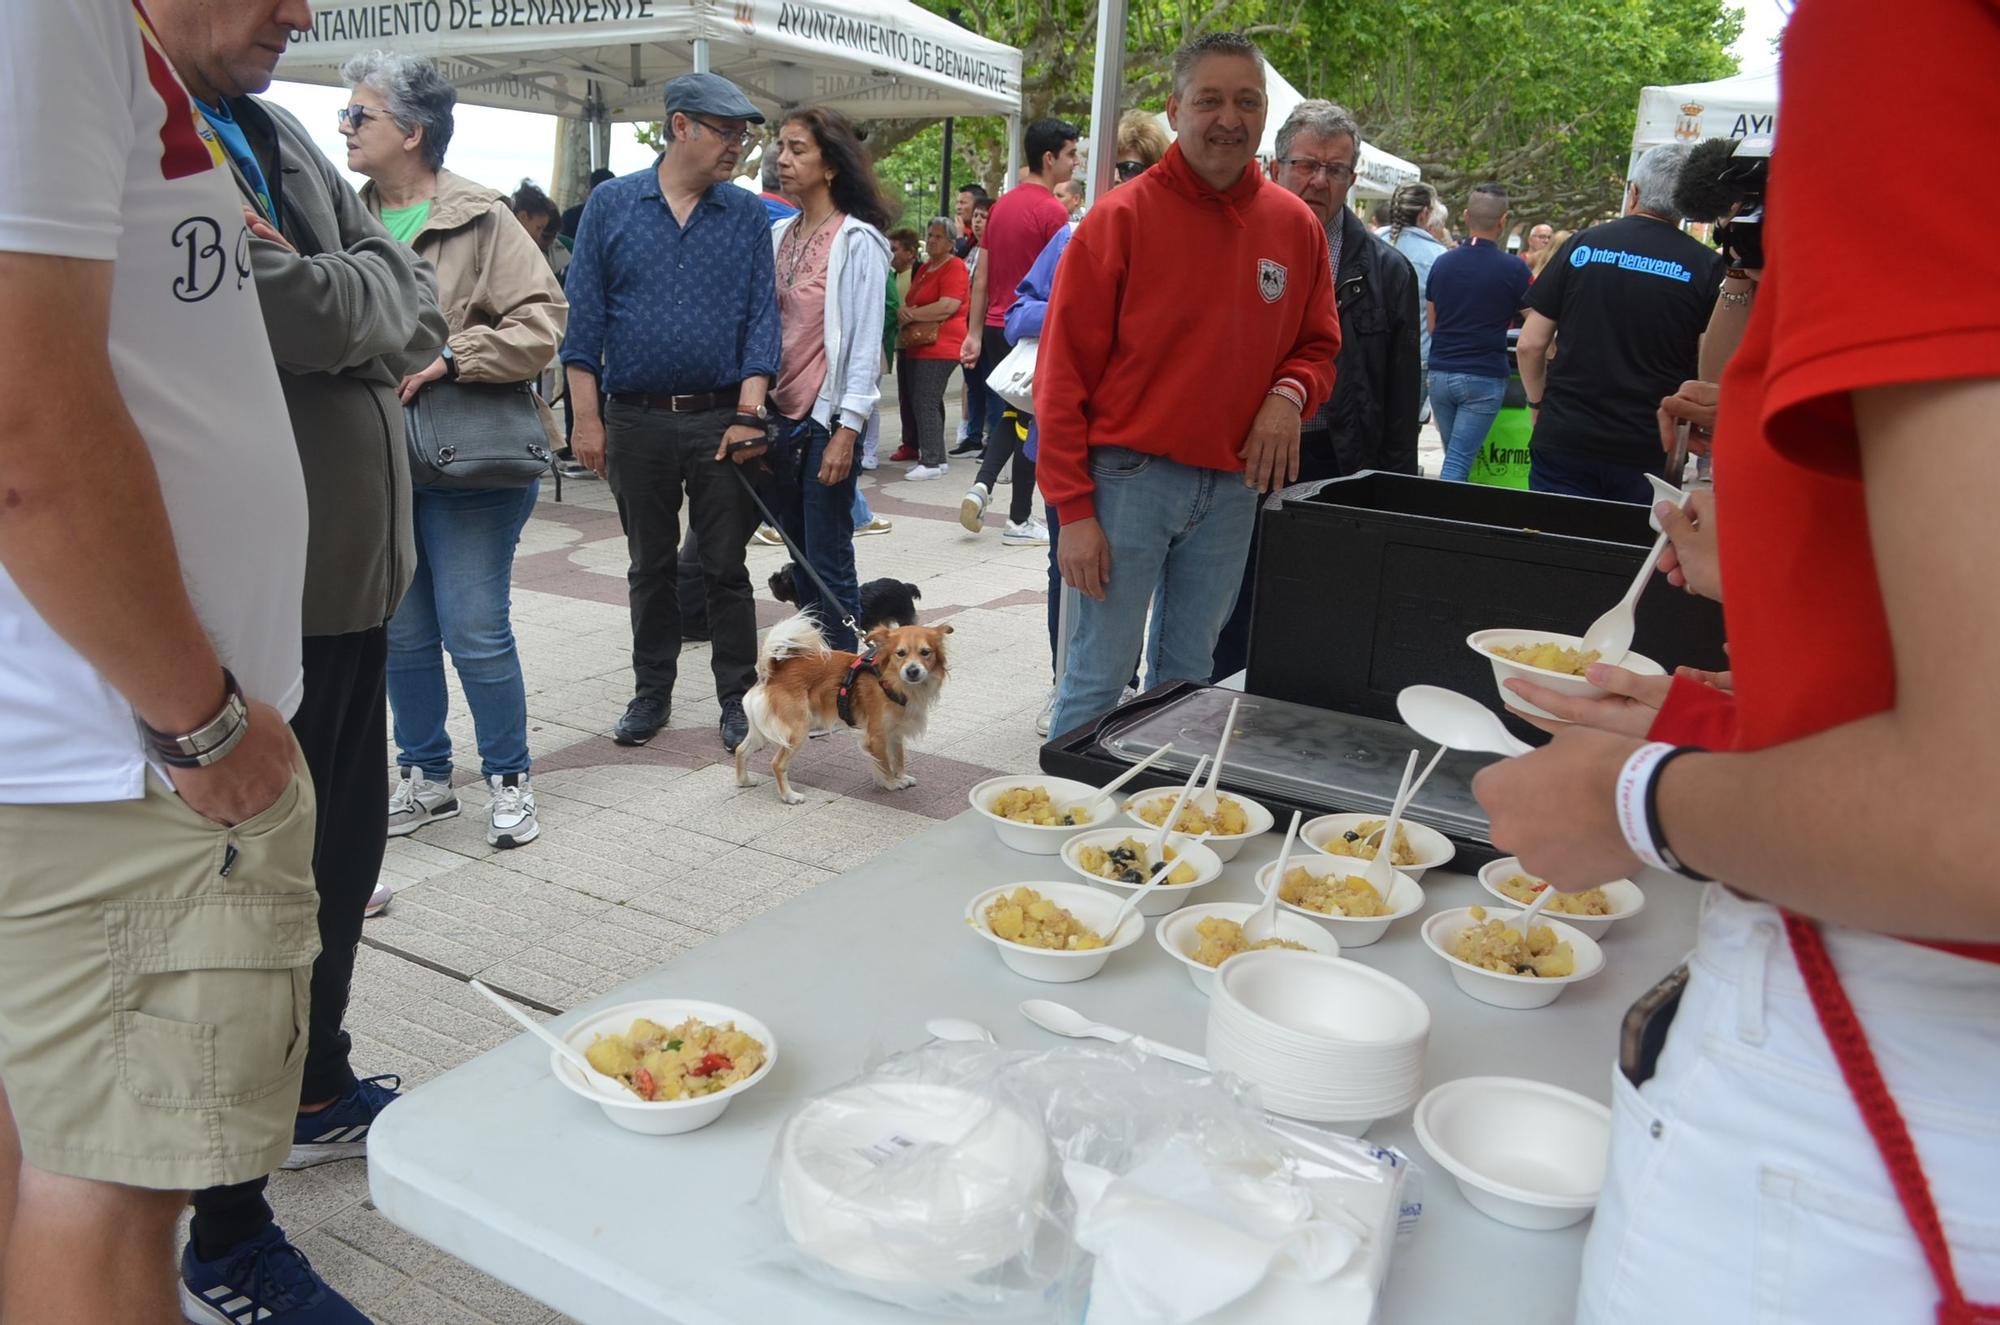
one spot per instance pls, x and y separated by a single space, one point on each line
1324 1039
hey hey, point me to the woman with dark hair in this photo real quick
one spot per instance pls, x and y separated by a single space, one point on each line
935 313
1410 208
832 269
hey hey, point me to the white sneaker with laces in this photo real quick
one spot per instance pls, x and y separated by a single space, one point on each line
417 801
1048 714
972 511
1029 533
511 818
918 473
378 901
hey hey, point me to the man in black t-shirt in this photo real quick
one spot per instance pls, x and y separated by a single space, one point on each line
1631 297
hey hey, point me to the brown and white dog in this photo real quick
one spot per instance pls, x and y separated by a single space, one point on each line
799 680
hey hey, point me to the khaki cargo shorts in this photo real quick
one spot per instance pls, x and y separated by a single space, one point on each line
155 971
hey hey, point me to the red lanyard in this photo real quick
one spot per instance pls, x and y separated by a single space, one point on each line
1885 1121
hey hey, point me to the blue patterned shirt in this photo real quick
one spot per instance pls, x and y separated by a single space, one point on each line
655 306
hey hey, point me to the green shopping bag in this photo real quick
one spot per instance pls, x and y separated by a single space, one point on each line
1503 461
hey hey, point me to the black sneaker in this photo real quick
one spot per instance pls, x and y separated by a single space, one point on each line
643 719
735 726
970 446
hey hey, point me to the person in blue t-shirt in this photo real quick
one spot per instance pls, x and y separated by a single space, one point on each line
1474 294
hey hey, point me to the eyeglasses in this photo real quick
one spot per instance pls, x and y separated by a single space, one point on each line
353 117
1129 170
742 137
1335 171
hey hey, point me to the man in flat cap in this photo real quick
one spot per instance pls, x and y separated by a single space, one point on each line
673 342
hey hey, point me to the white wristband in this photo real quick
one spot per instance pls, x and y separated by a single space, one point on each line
1633 780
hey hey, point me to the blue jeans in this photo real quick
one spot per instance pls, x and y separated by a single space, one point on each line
459 601
859 512
820 520
1581 476
1465 405
1172 528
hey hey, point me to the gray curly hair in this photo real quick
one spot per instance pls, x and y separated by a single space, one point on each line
417 94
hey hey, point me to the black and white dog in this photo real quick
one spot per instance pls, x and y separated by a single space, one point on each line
883 602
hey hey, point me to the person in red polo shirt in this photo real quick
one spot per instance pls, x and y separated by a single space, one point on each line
1017 230
1168 391
1816 1141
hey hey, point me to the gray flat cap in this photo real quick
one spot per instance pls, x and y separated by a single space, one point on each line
710 94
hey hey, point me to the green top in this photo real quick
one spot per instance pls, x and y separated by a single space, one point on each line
402 223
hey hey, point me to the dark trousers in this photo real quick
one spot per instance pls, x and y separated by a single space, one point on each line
1004 442
1581 476
906 405
820 522
1232 646
653 456
341 726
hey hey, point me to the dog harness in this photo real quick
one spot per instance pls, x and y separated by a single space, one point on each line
863 665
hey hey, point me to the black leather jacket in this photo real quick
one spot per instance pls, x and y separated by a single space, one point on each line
1371 420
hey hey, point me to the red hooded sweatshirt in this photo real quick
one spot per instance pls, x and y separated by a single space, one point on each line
1175 310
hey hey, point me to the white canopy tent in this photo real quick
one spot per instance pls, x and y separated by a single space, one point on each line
1380 171
607 60
1744 106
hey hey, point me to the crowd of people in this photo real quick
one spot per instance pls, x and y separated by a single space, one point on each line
235 552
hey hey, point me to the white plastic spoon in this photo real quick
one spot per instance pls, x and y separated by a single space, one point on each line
1526 918
1456 721
1262 923
1089 806
1065 1020
1159 877
605 1085
1209 803
957 1030
1380 872
1167 824
1611 634
1374 839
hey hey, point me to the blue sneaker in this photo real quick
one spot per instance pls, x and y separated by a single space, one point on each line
340 1130
265 1281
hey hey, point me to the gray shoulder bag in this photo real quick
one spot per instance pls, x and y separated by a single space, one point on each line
475 435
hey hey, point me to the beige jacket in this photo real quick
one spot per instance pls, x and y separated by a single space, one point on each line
504 307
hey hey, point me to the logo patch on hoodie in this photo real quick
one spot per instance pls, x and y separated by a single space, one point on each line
1270 280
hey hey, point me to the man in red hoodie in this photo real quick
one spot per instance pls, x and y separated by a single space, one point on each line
1191 324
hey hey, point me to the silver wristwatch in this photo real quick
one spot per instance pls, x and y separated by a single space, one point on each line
210 741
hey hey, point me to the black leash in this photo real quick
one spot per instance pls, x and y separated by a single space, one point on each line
798 557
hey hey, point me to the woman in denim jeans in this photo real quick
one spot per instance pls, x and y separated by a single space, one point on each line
506 315
832 267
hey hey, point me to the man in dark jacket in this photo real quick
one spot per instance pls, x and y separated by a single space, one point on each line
1370 422
348 311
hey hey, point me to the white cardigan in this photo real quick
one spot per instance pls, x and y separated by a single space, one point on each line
857 272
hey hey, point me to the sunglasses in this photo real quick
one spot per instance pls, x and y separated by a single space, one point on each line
353 117
1128 170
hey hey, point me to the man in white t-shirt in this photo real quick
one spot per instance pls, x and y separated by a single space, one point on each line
157 906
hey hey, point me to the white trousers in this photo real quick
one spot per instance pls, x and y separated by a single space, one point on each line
1743 1183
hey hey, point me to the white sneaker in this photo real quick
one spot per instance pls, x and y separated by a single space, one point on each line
972 511
870 462
378 901
1048 714
511 819
918 473
1029 533
417 801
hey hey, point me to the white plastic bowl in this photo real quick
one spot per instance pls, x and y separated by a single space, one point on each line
957 1200
1624 895
1322 1000
661 1117
1524 1152
1038 839
1511 991
1092 907
1562 682
1225 848
1405 897
1432 847
1176 934
1168 896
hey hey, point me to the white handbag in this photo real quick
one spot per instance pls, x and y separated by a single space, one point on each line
1013 378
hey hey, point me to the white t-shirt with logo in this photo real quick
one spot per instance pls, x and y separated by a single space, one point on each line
107 159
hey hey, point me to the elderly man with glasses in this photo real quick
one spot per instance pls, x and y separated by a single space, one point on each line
673 343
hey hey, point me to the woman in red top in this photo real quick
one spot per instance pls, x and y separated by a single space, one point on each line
1818 1142
933 317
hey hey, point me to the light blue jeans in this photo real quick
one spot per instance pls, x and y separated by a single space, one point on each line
1180 531
1465 405
459 601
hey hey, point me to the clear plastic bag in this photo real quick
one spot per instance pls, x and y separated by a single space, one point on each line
935 1180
